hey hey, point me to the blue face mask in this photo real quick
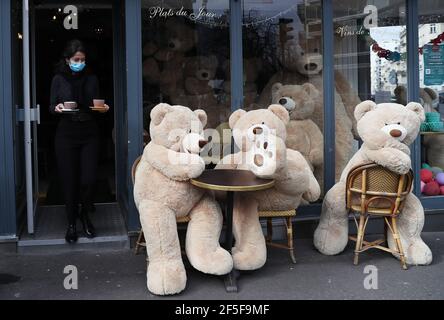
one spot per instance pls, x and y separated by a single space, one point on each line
77 66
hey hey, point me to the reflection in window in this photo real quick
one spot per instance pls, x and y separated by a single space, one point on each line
185 53
431 75
370 63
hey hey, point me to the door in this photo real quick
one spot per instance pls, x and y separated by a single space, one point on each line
30 114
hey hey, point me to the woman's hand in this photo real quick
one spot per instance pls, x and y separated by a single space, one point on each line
58 108
106 108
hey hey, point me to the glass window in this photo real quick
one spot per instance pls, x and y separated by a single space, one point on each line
282 43
185 56
370 63
431 93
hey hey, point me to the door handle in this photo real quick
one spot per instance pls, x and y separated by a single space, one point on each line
34 114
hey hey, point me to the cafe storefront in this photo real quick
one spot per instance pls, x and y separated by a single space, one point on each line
217 55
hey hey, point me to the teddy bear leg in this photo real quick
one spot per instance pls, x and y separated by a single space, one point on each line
250 251
331 235
165 272
202 241
410 224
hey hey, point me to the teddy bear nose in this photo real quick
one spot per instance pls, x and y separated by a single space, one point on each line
311 66
395 133
283 101
202 143
257 130
171 45
205 74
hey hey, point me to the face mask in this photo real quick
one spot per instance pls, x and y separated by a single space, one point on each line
77 66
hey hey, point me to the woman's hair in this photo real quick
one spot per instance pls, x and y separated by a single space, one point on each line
71 48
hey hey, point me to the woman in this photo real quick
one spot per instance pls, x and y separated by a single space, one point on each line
77 136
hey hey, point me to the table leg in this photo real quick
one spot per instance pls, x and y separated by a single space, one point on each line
230 279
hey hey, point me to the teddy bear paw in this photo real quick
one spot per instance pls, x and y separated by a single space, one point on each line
419 254
218 262
166 278
252 258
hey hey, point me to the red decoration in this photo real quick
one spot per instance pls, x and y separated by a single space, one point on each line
432 189
442 190
426 175
437 41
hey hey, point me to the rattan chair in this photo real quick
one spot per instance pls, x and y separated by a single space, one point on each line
374 191
269 215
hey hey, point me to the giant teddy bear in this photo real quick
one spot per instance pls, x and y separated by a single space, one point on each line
303 134
263 132
163 192
387 130
164 56
301 62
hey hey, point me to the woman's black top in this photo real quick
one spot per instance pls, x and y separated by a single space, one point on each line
79 87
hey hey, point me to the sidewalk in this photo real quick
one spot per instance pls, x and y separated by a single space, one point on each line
119 274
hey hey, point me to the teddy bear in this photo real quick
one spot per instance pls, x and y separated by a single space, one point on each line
164 59
434 143
195 90
386 130
303 134
163 192
260 136
302 62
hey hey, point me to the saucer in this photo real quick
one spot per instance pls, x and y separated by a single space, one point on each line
70 110
97 108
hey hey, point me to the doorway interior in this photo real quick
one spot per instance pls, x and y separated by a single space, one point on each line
51 26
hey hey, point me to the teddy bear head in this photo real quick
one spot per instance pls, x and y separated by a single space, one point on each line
302 56
178 128
428 97
198 71
299 100
246 125
388 124
179 36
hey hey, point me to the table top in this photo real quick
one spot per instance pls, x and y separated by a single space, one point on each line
231 180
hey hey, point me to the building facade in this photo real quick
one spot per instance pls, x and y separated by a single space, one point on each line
218 55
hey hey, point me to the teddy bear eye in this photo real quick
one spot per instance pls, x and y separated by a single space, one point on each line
316 50
399 123
386 124
302 53
263 122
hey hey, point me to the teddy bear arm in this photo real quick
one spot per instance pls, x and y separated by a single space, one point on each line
349 98
316 155
393 159
168 162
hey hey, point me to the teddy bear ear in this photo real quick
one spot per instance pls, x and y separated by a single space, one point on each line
276 87
364 107
159 112
235 116
280 112
418 109
311 90
202 115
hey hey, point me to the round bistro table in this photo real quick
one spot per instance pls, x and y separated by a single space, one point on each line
231 181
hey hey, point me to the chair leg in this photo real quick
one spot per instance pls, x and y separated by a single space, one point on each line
269 237
398 243
359 238
289 226
139 240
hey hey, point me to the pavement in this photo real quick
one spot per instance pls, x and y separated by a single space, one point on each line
119 274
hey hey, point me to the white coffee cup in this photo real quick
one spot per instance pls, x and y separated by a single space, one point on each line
71 105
